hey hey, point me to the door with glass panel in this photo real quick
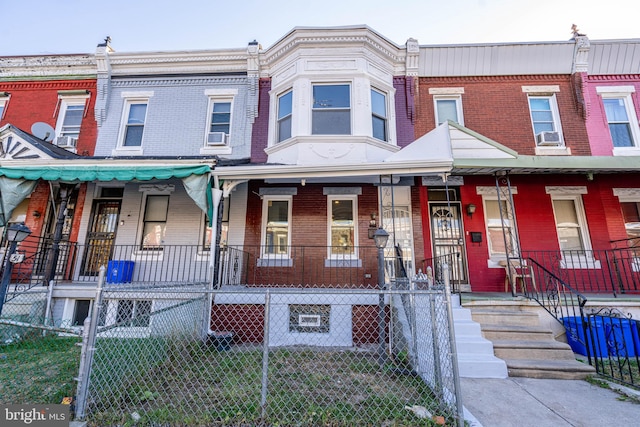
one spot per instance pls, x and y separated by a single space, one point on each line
448 239
101 235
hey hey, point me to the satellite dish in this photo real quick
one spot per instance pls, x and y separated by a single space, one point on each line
43 130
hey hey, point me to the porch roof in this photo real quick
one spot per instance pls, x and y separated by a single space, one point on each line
547 164
103 172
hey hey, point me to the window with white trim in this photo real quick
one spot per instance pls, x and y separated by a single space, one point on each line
4 100
135 114
448 108
342 211
499 227
285 111
276 226
154 222
570 224
379 115
545 119
331 111
219 125
621 119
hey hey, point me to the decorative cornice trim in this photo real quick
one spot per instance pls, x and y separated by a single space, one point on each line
179 81
566 190
55 85
516 77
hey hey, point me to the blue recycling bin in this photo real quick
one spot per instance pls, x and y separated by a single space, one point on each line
611 336
119 271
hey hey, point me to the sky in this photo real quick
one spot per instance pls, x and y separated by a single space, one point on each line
40 27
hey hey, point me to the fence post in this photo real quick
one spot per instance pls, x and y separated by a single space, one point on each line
265 355
88 347
452 346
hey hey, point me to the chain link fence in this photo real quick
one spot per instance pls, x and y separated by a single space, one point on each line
270 357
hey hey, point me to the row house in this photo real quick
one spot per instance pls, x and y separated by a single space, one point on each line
133 182
245 169
549 130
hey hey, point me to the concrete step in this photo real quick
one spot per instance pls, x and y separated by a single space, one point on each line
475 366
476 358
532 349
507 317
515 332
554 369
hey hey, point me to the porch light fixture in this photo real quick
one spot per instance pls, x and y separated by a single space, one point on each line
380 237
471 209
15 233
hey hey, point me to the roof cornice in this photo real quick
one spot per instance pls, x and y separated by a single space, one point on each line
48 66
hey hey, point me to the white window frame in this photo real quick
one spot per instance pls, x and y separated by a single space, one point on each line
129 99
4 102
498 256
263 228
354 200
624 93
574 260
384 118
447 94
287 116
555 115
350 108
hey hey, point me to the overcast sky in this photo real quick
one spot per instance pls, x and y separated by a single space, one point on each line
35 27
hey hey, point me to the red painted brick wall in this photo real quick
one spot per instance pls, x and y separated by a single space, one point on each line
37 101
497 108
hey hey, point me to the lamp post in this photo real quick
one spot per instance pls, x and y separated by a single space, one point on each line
15 233
380 237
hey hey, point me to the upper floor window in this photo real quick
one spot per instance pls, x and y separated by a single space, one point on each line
4 100
136 113
331 114
447 104
621 119
219 122
379 115
132 124
545 117
71 109
285 110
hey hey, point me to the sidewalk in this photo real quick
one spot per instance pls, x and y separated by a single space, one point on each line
527 402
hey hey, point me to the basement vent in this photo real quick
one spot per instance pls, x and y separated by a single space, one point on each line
309 318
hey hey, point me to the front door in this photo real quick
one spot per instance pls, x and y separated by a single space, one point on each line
101 235
448 239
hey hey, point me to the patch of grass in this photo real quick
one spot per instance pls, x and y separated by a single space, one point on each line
223 388
39 369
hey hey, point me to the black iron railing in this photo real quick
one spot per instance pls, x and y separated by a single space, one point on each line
78 263
615 271
304 266
433 268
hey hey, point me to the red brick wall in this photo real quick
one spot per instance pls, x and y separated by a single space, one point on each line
497 108
246 321
36 101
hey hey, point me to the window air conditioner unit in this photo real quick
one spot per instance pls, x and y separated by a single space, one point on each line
216 138
548 138
66 141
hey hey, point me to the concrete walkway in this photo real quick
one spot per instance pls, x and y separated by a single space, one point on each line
527 402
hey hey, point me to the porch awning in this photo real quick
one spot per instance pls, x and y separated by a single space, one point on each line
17 182
84 173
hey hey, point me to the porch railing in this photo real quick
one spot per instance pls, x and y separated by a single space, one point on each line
437 267
302 266
615 271
80 263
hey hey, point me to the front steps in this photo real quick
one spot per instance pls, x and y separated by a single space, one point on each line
476 358
528 349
